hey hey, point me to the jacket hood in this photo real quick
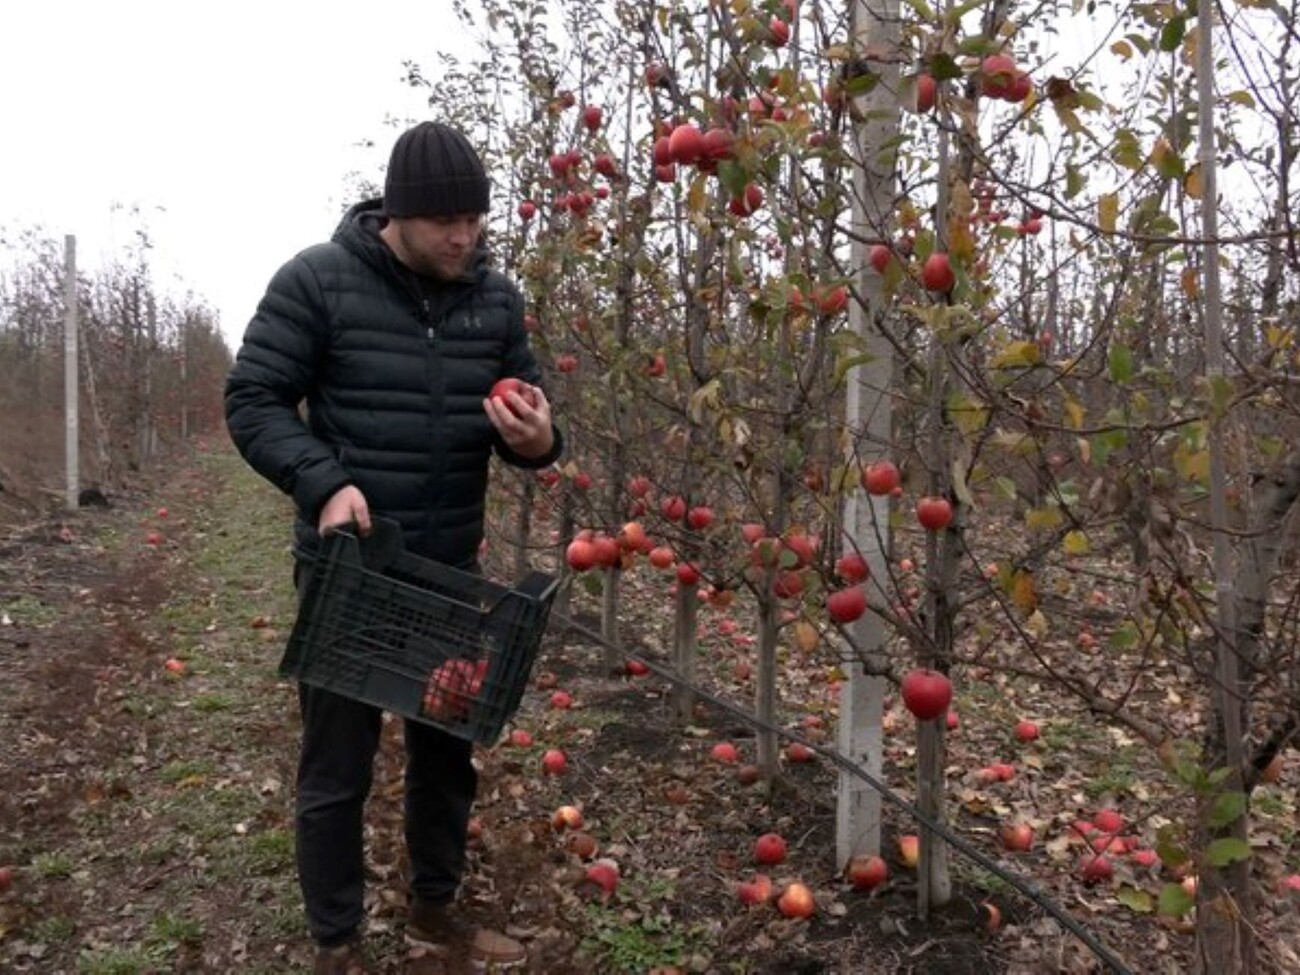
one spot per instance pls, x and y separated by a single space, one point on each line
358 231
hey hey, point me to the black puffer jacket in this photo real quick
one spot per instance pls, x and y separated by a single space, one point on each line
393 372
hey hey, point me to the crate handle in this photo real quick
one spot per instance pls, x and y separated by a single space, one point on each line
381 548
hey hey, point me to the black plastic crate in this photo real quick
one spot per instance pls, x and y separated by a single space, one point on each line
424 640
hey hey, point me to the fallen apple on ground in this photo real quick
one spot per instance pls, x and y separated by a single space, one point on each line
757 890
867 872
796 901
770 849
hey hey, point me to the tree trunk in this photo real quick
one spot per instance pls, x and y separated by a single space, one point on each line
1224 919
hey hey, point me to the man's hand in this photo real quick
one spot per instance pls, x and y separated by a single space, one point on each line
346 506
524 422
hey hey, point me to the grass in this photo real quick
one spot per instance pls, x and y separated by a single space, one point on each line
186 771
270 852
172 931
55 865
29 611
209 782
632 946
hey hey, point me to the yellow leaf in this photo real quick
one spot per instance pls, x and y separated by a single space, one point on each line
1122 49
805 636
1194 183
1074 410
1018 354
1278 337
968 413
698 196
704 398
1108 212
1041 519
1023 591
1037 624
1194 465
1190 281
1243 98
1084 446
1015 442
1076 543
961 242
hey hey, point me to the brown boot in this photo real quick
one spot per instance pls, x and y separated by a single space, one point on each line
440 928
344 959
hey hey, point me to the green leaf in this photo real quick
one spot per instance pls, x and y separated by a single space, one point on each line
1169 841
1075 181
1135 899
1227 808
1076 543
1125 637
846 362
1228 849
1171 35
944 67
1174 901
1043 519
1120 363
1128 151
1018 355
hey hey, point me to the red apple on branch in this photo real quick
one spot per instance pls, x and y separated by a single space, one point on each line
926 693
934 513
852 567
937 273
846 605
881 477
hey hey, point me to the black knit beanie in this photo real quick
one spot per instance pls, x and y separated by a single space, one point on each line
434 171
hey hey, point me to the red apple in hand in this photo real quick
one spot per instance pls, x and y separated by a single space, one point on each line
503 387
927 693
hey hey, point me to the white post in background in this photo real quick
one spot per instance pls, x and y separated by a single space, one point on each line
71 436
869 413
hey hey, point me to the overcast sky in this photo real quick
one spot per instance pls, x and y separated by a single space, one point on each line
232 126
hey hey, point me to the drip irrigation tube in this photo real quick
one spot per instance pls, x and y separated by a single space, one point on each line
1024 886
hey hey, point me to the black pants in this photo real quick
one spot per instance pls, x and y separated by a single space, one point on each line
339 740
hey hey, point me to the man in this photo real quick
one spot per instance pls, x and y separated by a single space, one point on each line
392 333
